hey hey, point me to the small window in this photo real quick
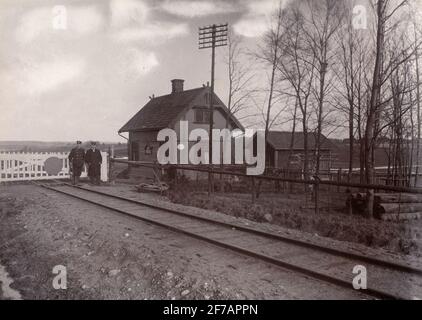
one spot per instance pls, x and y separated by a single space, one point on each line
148 149
202 116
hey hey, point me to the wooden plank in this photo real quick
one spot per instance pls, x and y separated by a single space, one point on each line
400 207
392 197
397 197
401 216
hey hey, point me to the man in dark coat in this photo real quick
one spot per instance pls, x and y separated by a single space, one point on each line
76 162
93 159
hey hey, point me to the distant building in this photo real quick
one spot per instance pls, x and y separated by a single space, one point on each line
166 111
280 153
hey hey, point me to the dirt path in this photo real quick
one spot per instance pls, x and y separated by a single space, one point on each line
6 291
109 256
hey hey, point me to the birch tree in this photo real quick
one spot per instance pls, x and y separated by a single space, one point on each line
323 21
385 12
296 67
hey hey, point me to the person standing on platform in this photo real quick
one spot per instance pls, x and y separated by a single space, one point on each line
76 162
93 160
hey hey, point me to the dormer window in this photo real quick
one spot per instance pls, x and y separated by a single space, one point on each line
207 98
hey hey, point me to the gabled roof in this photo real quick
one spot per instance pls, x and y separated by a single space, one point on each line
280 140
160 112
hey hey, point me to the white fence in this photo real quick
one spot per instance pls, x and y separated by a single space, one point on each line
21 166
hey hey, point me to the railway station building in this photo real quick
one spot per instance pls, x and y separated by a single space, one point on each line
167 111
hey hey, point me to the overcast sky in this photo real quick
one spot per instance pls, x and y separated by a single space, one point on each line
84 76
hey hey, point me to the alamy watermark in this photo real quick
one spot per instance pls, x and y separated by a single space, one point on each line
60 280
360 17
193 147
361 278
59 17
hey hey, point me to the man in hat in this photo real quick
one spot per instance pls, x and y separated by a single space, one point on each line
93 159
76 162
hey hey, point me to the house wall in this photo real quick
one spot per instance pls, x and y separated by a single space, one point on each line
142 139
270 158
189 115
283 158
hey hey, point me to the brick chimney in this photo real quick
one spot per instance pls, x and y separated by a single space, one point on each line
177 85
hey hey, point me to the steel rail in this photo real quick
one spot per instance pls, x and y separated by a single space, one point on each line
289 266
376 261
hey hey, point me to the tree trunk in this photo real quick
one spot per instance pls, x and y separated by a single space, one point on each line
267 120
320 112
292 139
305 150
418 114
373 106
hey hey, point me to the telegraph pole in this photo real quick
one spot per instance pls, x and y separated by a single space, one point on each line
211 37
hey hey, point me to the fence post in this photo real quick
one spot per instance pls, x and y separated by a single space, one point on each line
349 202
110 169
253 189
398 213
370 203
110 166
338 179
316 195
290 185
210 182
221 180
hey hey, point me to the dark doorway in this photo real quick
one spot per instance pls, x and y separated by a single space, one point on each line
134 151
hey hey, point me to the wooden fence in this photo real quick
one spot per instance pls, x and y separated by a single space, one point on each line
23 166
314 187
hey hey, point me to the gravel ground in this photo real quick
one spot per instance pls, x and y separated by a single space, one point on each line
109 256
313 237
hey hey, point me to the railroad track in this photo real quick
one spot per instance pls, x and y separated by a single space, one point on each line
385 279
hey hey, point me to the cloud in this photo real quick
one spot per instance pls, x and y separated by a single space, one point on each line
255 21
251 27
33 78
143 62
152 33
264 7
134 63
131 22
128 12
59 21
85 20
193 9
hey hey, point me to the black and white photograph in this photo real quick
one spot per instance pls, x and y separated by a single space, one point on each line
225 153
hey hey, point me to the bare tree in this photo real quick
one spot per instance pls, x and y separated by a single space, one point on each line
296 67
240 78
354 59
383 69
348 77
418 104
325 18
270 54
